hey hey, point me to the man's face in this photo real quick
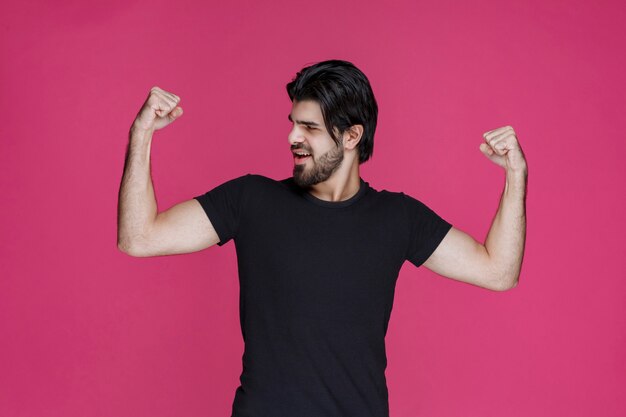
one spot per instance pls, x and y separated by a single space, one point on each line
309 135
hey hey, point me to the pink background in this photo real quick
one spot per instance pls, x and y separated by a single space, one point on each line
89 331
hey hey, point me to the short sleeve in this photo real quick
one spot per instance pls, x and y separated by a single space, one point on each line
427 230
223 206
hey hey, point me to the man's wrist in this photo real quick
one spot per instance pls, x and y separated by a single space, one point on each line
520 174
139 133
516 180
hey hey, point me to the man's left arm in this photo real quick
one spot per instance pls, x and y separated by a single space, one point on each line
496 264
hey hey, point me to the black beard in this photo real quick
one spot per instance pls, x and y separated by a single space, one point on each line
321 170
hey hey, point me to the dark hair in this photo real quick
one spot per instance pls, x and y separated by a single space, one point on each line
345 98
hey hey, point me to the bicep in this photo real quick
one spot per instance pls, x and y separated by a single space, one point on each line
183 228
459 256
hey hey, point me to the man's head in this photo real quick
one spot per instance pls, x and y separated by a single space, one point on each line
339 97
316 154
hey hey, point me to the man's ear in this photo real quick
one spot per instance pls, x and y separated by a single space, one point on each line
352 136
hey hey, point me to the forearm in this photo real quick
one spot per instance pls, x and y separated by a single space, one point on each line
137 206
507 235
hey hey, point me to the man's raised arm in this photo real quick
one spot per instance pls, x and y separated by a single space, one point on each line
496 264
141 230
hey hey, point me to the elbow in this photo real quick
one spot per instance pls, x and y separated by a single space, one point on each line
121 246
130 249
135 245
503 278
506 283
123 242
125 248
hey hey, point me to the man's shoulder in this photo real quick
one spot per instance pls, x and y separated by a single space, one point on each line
251 177
258 181
387 195
263 179
398 199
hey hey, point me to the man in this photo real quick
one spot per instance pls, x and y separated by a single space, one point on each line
319 252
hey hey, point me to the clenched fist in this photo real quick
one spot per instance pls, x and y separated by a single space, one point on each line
502 148
160 109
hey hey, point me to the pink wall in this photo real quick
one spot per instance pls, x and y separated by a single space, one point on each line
89 331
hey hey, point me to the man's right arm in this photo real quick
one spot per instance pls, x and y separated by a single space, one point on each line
141 230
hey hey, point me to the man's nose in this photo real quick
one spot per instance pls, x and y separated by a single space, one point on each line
295 136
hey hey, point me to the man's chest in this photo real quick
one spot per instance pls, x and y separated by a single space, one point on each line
324 265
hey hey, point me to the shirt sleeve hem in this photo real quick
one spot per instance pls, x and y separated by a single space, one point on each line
433 243
214 218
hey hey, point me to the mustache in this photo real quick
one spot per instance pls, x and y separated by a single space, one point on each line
295 148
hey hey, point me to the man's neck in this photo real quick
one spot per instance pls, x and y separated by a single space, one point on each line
342 185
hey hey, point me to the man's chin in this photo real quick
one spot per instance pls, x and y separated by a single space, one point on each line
301 180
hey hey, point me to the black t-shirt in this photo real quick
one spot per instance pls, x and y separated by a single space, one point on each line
317 281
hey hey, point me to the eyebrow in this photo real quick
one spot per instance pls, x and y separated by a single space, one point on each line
303 122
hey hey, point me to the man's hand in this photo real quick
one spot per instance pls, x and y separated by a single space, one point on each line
159 110
502 148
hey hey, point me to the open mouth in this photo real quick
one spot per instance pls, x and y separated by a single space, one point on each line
301 158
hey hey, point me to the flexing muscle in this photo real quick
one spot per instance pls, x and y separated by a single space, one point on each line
141 230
